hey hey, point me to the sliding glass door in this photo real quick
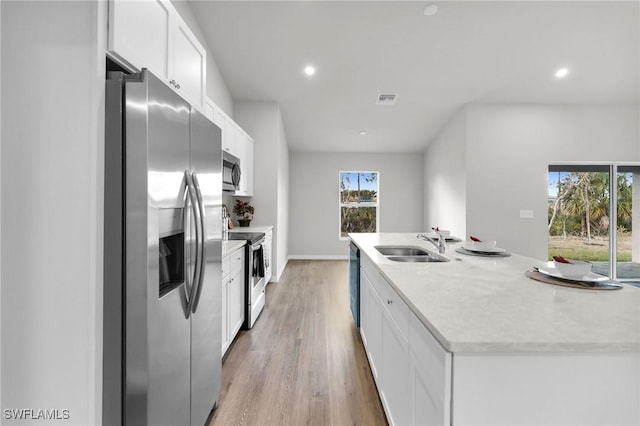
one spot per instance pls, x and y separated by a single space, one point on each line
592 215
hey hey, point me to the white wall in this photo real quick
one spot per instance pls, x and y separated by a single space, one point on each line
0 206
263 122
314 212
282 224
445 201
51 196
217 89
508 150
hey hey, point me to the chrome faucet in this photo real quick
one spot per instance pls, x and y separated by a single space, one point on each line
439 243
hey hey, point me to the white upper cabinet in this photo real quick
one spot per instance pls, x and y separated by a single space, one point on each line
209 110
229 136
139 34
188 64
151 34
243 145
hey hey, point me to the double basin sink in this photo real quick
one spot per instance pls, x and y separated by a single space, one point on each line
409 254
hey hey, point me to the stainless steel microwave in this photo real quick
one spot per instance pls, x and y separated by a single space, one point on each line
231 172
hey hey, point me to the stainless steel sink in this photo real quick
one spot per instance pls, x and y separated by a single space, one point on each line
401 251
416 259
410 254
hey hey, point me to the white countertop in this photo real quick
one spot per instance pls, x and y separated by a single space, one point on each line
229 246
250 228
480 304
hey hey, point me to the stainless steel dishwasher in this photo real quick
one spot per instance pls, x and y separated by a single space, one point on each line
354 282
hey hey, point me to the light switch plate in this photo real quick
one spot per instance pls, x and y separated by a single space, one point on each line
526 214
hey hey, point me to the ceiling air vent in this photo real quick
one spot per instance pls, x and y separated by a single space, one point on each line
386 99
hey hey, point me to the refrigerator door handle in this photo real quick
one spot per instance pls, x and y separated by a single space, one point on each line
195 207
201 242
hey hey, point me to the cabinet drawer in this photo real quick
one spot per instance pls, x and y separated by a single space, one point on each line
395 306
237 260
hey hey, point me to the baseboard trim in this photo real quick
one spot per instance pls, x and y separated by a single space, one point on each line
318 257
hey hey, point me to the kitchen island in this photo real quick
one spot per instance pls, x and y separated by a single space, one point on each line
477 342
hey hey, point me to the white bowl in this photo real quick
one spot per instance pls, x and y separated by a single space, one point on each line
444 232
575 269
482 245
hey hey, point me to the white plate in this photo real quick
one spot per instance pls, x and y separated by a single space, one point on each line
590 277
493 250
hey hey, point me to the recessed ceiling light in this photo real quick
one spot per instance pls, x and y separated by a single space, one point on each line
430 10
362 132
562 72
309 70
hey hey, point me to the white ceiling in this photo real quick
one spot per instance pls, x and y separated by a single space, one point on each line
469 52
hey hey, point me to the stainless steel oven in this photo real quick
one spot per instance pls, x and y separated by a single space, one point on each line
255 281
231 172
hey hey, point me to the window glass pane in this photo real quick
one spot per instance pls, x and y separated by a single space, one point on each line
628 207
358 202
579 216
358 187
357 219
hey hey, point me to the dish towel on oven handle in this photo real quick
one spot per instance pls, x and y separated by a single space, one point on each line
258 263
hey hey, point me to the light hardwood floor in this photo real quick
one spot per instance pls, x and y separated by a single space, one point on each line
303 362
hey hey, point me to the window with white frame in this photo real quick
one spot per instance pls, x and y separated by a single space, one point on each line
358 202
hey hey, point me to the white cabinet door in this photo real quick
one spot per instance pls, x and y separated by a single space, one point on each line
374 329
243 145
365 323
188 64
430 377
232 297
236 294
229 135
209 109
236 304
139 34
395 372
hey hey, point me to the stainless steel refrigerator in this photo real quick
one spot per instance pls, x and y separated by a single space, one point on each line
162 260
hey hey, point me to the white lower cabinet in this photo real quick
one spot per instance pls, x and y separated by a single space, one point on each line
371 324
429 377
395 371
422 384
411 370
232 296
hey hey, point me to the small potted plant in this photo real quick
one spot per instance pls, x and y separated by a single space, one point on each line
244 210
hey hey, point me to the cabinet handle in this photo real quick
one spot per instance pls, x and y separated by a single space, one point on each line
174 84
389 301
